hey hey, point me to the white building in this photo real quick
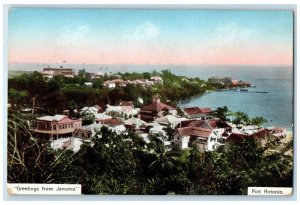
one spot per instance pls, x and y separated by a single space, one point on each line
204 139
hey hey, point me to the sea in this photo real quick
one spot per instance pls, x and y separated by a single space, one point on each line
272 98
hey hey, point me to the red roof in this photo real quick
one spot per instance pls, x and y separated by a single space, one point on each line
240 136
157 106
197 110
205 110
111 121
126 103
192 110
199 123
195 131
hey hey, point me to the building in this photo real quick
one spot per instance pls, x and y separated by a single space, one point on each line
88 84
57 125
70 143
237 83
204 139
127 107
197 112
170 120
98 75
134 124
115 83
90 110
221 80
156 79
109 84
155 110
114 125
51 72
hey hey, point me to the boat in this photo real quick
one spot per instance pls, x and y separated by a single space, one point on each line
253 86
243 90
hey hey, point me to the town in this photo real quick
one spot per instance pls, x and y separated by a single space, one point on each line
195 126
130 133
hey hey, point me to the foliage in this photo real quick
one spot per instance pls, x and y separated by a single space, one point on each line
30 158
125 164
221 113
258 121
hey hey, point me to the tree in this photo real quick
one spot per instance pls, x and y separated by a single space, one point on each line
88 119
16 97
29 158
258 121
241 118
221 113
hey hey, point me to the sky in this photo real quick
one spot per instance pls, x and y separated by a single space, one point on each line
116 36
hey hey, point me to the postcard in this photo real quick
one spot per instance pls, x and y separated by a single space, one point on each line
150 101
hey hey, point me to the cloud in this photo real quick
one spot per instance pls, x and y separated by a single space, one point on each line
146 30
232 34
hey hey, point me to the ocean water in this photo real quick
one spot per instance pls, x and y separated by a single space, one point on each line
276 105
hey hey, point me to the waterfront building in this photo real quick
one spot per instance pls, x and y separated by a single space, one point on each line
51 72
197 112
221 80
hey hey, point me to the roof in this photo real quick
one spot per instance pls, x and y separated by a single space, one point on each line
169 119
157 106
197 110
112 121
192 110
52 118
195 131
134 121
100 116
205 110
200 123
126 103
89 110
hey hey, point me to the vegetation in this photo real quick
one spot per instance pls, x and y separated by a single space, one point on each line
125 164
32 90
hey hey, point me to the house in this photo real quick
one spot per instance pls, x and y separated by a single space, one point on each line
207 124
197 112
239 137
57 125
109 84
156 79
88 131
127 107
90 110
113 109
170 120
122 110
88 84
70 143
51 72
102 116
156 130
204 139
134 124
221 80
98 75
155 110
120 82
237 83
114 125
